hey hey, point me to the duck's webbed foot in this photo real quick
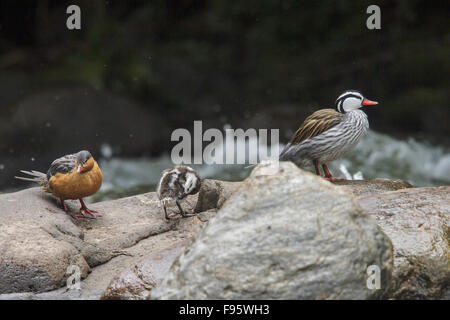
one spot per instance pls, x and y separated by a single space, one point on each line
329 176
88 213
333 179
70 213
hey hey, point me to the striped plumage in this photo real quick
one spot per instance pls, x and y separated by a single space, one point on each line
317 123
328 134
329 144
175 184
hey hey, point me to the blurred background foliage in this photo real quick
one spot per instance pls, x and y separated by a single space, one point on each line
256 63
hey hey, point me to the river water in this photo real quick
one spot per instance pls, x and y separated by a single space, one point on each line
376 156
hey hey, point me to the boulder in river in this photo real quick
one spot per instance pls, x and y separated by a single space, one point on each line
39 241
417 221
286 234
269 224
136 281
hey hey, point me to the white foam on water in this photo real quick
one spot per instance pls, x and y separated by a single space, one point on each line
376 156
381 156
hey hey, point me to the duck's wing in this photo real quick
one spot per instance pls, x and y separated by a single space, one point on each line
317 123
163 181
62 165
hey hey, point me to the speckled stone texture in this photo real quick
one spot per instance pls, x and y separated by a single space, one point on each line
418 223
285 234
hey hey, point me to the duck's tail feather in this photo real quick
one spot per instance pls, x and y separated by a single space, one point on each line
38 177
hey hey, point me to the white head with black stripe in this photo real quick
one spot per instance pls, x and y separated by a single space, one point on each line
352 100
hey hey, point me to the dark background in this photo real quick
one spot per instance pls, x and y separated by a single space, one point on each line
139 69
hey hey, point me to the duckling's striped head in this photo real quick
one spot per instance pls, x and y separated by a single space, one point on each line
192 181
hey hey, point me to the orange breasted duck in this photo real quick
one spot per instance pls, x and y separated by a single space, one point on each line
71 177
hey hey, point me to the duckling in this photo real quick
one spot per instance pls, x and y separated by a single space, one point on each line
72 176
175 184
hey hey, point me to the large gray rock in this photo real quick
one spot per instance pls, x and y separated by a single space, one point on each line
130 249
286 234
136 281
39 241
417 222
214 193
32 260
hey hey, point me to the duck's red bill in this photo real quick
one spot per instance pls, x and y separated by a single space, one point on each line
367 102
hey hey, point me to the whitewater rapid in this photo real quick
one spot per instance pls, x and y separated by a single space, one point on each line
376 156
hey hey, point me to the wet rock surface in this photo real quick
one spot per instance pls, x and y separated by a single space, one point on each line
41 241
213 194
366 187
418 223
131 250
271 240
135 282
38 241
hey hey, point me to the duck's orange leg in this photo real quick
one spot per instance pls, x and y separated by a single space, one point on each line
67 210
87 212
329 176
316 165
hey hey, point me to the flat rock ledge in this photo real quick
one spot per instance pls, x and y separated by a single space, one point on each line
39 242
418 223
133 253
